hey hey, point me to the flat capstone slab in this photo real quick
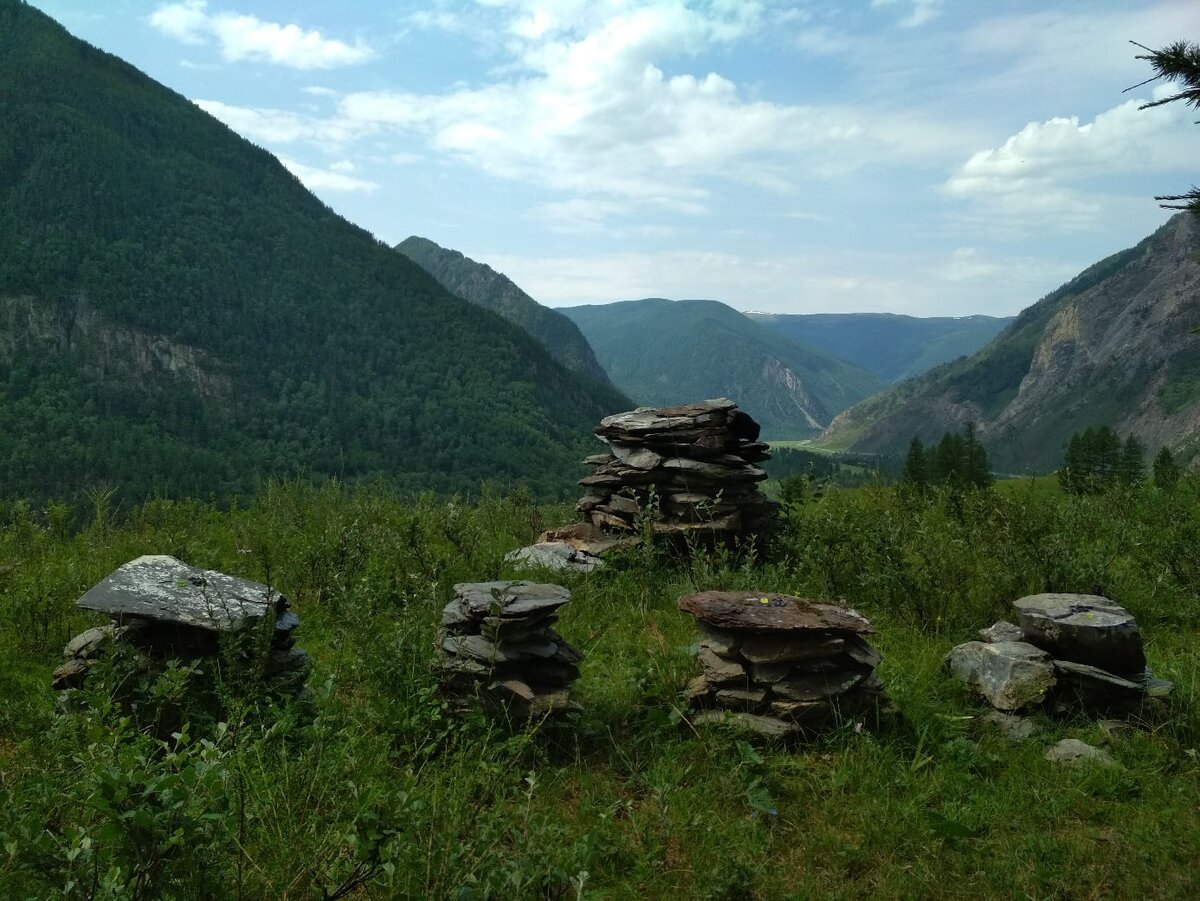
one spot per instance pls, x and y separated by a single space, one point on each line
167 590
757 611
1083 628
508 599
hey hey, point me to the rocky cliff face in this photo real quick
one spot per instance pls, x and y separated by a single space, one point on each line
1114 346
482 285
100 347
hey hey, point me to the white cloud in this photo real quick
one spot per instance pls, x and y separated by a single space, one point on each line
1047 173
243 37
922 10
273 126
336 178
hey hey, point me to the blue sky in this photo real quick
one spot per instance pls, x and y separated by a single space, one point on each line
932 157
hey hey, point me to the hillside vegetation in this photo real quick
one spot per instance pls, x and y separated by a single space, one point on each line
1112 346
663 352
482 285
178 314
379 792
892 346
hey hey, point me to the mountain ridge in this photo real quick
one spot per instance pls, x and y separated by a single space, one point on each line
663 351
480 284
1111 346
145 248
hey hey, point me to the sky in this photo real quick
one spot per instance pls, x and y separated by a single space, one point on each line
929 157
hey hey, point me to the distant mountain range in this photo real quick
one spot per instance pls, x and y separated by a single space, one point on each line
178 314
894 347
1113 346
662 352
482 285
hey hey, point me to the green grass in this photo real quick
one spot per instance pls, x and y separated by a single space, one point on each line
625 800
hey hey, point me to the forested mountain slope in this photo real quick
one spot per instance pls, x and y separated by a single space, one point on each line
483 285
892 346
178 313
663 351
1112 346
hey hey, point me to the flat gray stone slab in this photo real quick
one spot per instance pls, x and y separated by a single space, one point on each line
1001 631
511 598
1073 752
766 726
555 555
1009 675
754 611
1084 628
167 590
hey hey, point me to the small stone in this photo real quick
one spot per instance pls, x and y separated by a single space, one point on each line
765 726
769 673
518 689
88 644
740 699
817 686
698 691
722 642
550 702
1001 631
1013 727
799 710
1008 674
720 670
1073 752
71 674
786 648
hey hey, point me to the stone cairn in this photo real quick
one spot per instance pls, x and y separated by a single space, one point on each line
696 459
779 665
166 609
497 647
1068 651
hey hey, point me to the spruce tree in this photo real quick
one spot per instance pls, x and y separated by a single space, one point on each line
1070 474
1166 470
978 470
916 465
1177 62
1133 463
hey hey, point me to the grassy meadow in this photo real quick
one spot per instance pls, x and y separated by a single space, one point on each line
371 790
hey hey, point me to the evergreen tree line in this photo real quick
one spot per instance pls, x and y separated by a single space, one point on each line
1097 460
959 460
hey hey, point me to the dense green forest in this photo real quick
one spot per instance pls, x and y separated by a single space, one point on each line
180 315
376 788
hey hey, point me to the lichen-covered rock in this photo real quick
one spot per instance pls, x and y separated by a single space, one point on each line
1008 674
553 555
1083 628
1073 752
753 611
1001 631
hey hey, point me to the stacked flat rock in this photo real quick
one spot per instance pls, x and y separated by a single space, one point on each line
779 665
1068 650
168 610
497 646
697 460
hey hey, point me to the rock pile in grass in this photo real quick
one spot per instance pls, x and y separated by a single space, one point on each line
689 468
779 665
1069 651
497 647
164 609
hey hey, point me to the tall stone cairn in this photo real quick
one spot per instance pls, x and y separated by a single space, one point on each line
497 648
779 665
166 610
689 467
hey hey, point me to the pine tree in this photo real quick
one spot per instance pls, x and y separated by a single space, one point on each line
1166 470
1133 463
1107 458
978 471
1179 62
916 465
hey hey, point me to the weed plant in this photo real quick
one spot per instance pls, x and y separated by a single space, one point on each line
374 791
